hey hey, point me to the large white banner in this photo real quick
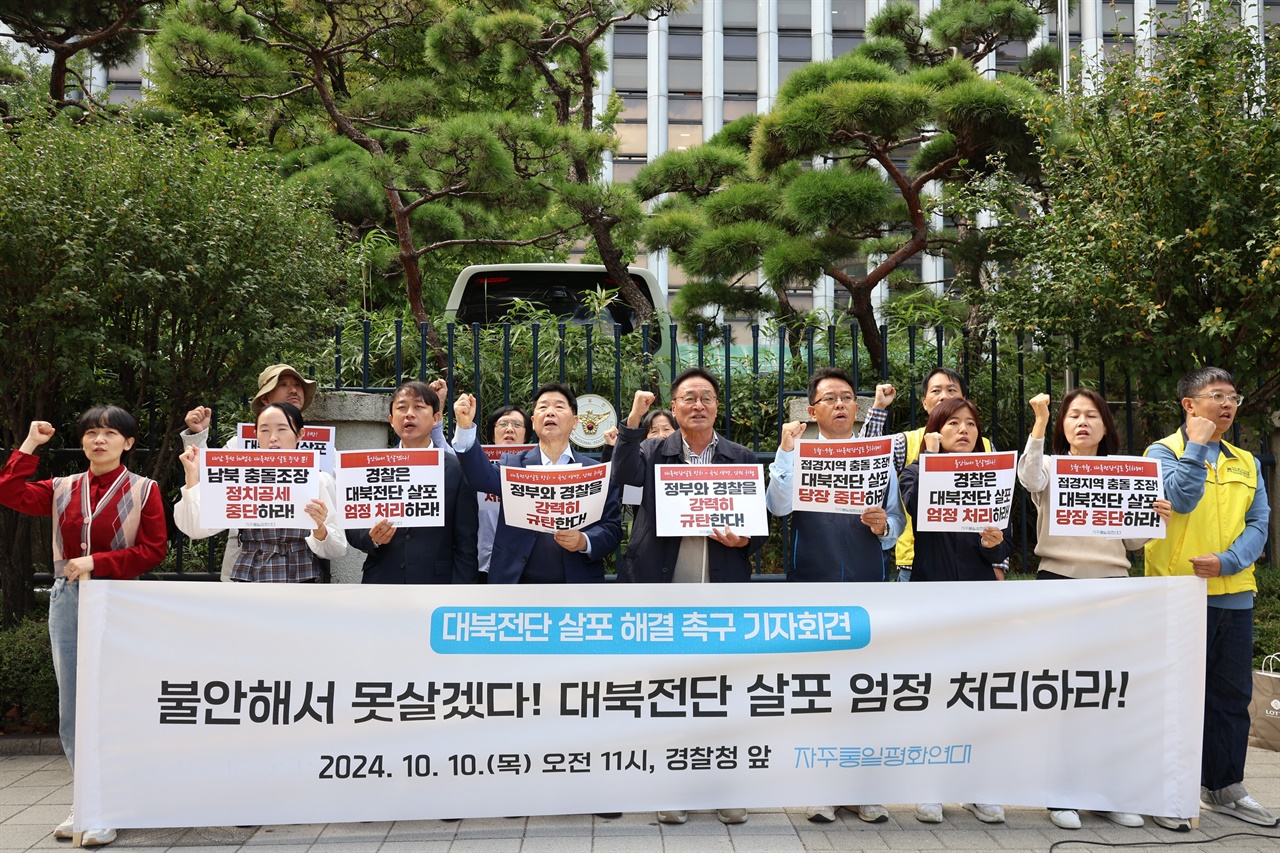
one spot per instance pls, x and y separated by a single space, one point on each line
215 704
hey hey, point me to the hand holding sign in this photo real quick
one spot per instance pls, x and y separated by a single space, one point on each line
790 432
382 532
1164 509
571 540
199 418
78 567
639 408
729 539
877 519
318 513
991 537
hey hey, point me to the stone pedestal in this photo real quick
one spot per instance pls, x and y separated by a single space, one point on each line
360 422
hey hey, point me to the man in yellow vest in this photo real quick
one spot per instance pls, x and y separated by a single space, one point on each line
941 383
1217 531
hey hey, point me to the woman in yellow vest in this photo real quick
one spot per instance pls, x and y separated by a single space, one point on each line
1084 427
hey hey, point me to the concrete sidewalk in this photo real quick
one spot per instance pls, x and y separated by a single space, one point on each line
35 795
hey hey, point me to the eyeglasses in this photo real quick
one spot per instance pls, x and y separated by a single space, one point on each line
832 399
707 400
1220 398
509 423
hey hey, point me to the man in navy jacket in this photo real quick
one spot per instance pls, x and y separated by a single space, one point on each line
423 554
527 556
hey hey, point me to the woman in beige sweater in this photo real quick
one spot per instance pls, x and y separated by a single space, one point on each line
1084 427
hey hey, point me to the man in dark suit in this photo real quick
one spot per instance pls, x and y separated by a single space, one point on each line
423 554
527 556
724 556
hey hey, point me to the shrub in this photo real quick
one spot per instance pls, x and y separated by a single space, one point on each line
28 687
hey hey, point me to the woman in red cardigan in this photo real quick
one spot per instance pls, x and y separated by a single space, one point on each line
108 521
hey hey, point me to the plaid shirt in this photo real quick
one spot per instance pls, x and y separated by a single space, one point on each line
275 556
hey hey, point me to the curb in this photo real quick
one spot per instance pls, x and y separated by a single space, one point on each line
30 745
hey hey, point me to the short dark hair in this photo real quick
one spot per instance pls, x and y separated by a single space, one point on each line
828 373
491 422
946 410
1110 444
291 412
950 374
1190 385
647 421
555 388
419 390
692 372
111 417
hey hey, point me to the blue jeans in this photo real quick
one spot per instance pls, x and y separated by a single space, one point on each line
64 618
1228 686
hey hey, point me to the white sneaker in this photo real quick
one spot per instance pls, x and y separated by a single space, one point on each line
821 814
1064 818
97 837
1177 824
732 816
872 813
929 812
1128 819
986 812
672 817
64 829
1246 808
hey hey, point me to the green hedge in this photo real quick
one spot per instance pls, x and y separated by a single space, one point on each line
28 688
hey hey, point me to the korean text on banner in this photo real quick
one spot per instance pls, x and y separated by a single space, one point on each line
404 487
257 488
841 476
966 492
318 438
548 498
597 698
697 500
1109 497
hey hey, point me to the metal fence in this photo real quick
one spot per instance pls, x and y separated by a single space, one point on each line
761 367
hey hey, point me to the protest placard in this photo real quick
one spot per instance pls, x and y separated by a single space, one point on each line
257 488
547 498
966 492
403 486
317 438
494 453
841 476
696 500
1109 497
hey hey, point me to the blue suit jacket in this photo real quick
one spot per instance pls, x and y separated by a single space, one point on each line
512 545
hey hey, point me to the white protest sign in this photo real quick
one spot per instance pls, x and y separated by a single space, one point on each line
841 476
547 498
257 488
403 486
639 697
1109 497
317 438
697 500
966 492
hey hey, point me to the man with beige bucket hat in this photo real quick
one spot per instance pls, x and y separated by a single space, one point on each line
279 383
